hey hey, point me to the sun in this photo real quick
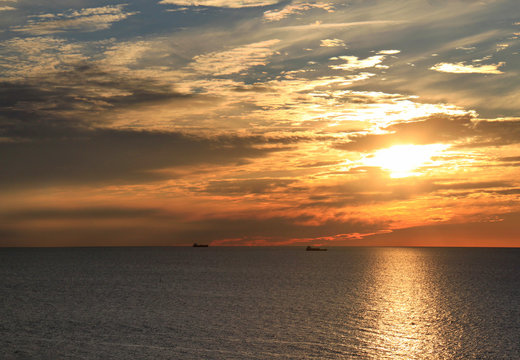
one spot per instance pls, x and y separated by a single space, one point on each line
404 160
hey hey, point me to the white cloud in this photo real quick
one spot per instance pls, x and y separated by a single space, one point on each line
88 20
332 43
461 68
220 3
7 8
277 15
235 60
389 52
354 63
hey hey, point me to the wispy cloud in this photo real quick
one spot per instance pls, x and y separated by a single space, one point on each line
34 56
126 53
7 8
85 20
332 43
462 68
321 25
354 63
389 52
295 8
235 60
220 3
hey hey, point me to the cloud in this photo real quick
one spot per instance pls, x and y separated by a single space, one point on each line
461 131
7 8
85 213
235 60
249 186
55 129
126 53
318 25
220 3
500 231
371 187
30 57
84 20
434 129
253 229
155 227
77 93
496 133
510 159
295 8
388 52
354 63
116 156
332 43
461 68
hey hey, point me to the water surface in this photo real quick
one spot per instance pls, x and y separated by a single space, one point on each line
260 303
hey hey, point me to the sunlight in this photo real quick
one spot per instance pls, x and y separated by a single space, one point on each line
403 160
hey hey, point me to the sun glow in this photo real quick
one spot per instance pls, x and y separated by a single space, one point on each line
404 160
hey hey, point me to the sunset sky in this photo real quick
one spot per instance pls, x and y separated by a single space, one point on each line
257 122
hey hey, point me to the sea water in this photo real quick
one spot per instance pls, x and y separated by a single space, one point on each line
259 303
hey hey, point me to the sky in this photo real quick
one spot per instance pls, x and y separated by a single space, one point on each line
260 122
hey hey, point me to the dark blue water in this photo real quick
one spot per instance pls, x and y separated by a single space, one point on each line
259 303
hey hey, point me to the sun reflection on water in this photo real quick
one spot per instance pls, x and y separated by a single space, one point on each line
400 315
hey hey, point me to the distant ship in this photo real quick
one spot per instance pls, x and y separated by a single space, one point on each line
200 245
311 248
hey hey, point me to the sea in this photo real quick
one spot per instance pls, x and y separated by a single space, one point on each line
259 303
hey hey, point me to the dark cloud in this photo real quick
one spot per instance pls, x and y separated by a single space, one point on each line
434 129
101 155
497 133
83 91
369 190
83 227
80 213
510 159
464 131
53 131
512 191
8 237
470 185
320 164
86 226
272 229
244 187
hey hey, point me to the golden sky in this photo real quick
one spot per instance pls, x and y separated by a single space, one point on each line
257 122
